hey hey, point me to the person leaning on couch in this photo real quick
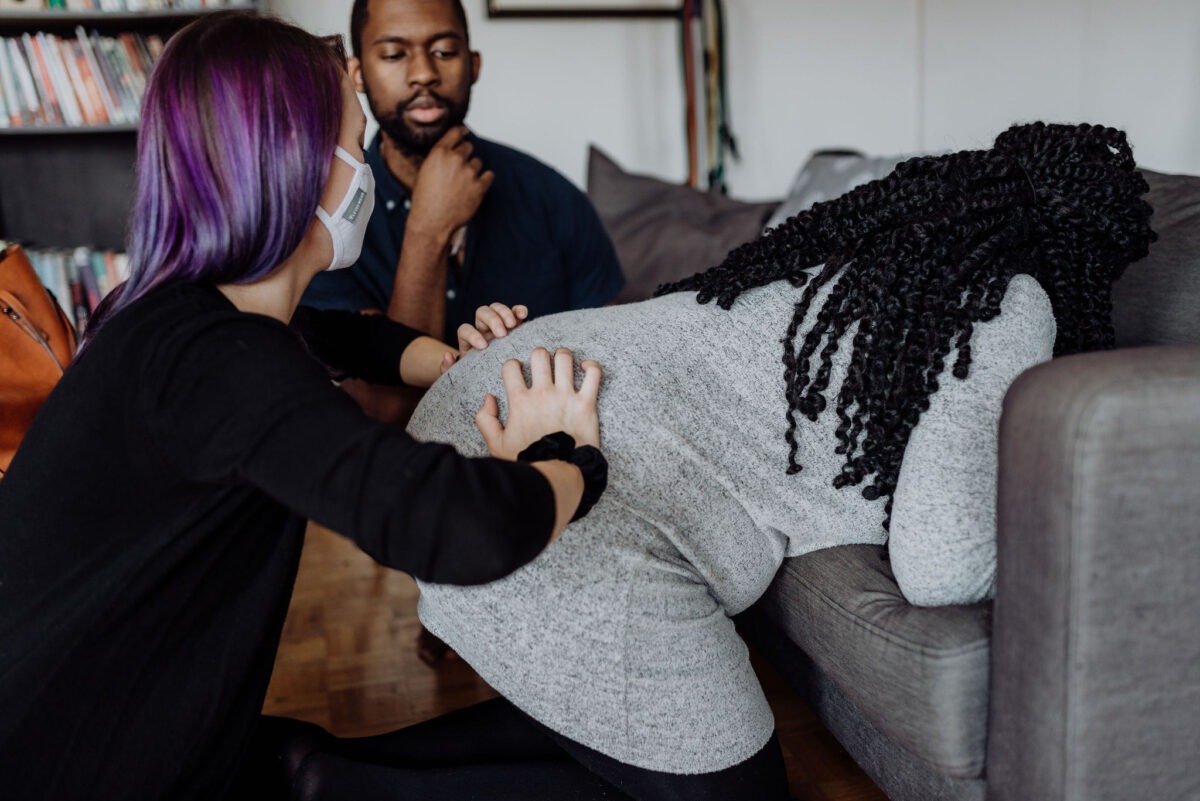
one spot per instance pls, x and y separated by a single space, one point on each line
460 222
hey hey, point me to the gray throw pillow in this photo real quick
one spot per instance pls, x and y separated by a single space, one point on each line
663 231
1157 300
828 174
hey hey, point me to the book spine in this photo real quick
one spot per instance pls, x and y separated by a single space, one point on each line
121 262
5 117
109 260
146 49
125 70
42 268
87 80
129 76
49 276
67 101
95 260
107 79
69 80
13 101
154 46
115 113
32 103
87 277
64 86
41 78
120 90
53 278
103 277
78 295
136 62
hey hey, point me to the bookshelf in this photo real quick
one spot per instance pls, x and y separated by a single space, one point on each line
69 182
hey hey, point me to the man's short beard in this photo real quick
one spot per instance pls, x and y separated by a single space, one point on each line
419 140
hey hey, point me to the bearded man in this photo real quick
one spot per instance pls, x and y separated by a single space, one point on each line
459 222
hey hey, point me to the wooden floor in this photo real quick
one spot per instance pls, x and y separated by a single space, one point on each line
348 662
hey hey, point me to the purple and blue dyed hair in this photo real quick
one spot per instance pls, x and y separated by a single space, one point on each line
240 118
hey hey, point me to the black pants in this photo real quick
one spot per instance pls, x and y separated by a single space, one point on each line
488 751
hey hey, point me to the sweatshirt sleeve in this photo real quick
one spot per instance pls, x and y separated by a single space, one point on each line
355 345
240 403
943 531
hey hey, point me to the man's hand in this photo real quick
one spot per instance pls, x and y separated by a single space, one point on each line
491 322
549 403
449 188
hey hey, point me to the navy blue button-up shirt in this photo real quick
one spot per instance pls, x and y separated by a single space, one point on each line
535 240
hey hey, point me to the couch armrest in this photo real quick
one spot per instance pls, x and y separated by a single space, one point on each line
1095 684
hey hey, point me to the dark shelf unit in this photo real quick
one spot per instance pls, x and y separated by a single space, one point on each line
68 130
65 186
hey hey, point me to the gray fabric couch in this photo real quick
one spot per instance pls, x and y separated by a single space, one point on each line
1081 680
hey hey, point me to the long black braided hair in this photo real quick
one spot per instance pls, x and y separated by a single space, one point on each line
917 258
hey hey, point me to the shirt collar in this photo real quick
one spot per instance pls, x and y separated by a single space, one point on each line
386 185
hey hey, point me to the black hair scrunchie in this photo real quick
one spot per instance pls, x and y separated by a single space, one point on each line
590 461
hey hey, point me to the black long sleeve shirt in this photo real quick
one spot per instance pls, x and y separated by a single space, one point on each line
150 532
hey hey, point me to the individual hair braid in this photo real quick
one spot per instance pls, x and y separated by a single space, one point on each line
916 259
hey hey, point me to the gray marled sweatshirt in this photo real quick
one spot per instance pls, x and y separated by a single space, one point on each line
618 635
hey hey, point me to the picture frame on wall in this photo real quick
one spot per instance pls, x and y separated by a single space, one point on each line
584 8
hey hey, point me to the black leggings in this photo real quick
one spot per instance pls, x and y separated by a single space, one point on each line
488 751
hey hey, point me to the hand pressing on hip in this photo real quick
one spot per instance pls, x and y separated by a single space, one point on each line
548 403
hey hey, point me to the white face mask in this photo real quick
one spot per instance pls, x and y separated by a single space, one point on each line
348 224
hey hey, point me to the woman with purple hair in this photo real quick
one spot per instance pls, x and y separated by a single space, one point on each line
153 519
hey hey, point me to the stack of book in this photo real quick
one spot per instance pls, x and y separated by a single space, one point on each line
79 278
87 79
111 5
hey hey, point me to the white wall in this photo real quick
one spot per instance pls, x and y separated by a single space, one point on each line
885 76
810 74
1131 65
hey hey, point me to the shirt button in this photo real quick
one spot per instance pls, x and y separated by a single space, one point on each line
391 205
408 203
451 294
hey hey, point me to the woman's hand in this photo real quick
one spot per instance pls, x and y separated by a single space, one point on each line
491 322
549 403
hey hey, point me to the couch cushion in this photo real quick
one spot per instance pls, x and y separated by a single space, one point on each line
1157 301
662 231
918 674
828 174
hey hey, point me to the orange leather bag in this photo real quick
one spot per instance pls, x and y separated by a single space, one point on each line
36 343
